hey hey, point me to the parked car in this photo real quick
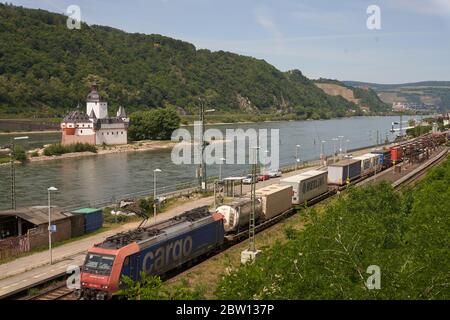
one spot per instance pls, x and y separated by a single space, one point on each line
275 173
248 179
263 177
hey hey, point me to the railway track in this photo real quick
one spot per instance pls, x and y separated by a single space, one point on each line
60 292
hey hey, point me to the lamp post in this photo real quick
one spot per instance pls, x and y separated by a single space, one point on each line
334 149
13 170
222 160
322 150
154 192
346 146
340 144
297 155
49 190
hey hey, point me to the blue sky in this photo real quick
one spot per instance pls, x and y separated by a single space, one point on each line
322 38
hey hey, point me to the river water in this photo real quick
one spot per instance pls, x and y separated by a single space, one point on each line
89 179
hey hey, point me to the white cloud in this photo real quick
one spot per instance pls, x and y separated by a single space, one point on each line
264 19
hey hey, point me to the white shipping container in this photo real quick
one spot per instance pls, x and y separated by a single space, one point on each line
275 200
307 185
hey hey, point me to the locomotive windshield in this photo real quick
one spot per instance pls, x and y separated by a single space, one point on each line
98 263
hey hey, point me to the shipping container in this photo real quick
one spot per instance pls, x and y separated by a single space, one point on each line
339 172
77 225
307 185
275 200
385 157
93 218
396 154
236 215
369 163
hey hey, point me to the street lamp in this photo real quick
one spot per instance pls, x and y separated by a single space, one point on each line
49 190
322 150
340 144
13 171
346 146
220 168
297 155
154 192
334 149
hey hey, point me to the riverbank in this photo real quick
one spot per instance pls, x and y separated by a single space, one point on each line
28 132
145 145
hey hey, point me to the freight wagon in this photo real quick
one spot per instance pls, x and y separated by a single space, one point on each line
153 250
369 163
307 185
236 215
275 200
338 173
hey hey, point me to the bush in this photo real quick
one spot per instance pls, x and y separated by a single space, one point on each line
407 236
19 153
59 149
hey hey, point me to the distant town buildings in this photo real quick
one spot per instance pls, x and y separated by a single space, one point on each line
95 126
407 106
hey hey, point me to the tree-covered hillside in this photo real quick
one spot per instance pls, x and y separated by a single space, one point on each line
45 69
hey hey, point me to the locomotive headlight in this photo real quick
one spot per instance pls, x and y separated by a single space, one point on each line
104 287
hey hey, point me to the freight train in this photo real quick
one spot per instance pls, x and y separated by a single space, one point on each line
173 243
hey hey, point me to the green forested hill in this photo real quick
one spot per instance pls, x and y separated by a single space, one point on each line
45 69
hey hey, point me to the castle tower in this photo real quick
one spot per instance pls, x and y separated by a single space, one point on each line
94 103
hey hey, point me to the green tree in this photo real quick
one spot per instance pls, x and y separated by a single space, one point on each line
156 124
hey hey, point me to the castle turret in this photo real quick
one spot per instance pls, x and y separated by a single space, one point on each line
94 103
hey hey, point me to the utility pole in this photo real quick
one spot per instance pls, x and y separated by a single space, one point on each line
202 166
13 177
13 170
401 124
253 199
202 178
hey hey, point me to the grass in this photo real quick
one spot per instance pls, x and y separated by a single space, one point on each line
4 160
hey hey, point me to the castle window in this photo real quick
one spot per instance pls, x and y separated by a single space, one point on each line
81 131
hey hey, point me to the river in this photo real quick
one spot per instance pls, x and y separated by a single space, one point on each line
89 179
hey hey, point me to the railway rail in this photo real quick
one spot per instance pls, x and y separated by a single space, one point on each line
59 292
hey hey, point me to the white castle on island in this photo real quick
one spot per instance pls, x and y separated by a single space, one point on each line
95 126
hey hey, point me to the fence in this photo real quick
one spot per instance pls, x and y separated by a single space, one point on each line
12 247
